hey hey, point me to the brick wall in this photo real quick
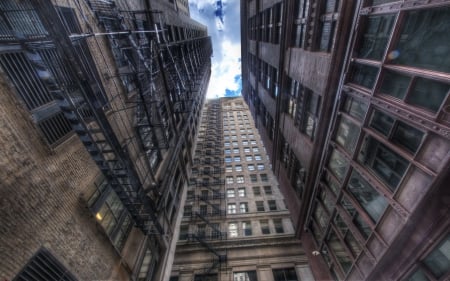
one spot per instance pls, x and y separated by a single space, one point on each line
41 203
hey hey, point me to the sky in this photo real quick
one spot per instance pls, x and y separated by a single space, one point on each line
222 17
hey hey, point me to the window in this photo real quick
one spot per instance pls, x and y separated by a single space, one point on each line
228 169
245 276
375 36
347 134
44 266
278 223
247 228
268 190
233 137
229 180
235 150
231 208
253 142
251 167
286 274
243 207
364 75
253 178
232 229
260 206
247 149
237 159
227 143
227 151
241 192
238 168
272 205
371 201
357 219
355 108
256 191
264 177
386 164
184 232
260 166
336 246
264 226
227 159
109 210
255 149
230 193
245 142
248 158
425 93
203 210
235 143
258 157
240 179
422 34
338 164
187 211
400 133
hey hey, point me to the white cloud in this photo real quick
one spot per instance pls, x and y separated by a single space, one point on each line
226 63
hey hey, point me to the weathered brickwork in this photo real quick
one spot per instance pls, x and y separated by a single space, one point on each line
41 199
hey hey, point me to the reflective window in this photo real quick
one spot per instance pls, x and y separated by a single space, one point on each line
371 201
232 229
247 228
260 206
386 164
377 30
428 94
243 207
286 274
241 192
264 226
338 164
278 224
355 107
364 75
256 190
424 39
347 134
338 250
438 261
231 208
394 84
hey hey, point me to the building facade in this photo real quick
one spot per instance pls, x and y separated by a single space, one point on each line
100 104
351 99
236 225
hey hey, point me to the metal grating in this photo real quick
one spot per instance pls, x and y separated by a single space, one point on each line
43 266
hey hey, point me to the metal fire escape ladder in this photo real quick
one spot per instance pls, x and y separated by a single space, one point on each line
213 126
94 131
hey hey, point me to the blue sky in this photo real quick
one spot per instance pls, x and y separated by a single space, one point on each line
223 21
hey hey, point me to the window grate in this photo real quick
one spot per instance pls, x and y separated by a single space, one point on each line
44 266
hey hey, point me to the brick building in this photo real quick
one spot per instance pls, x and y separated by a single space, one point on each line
236 225
100 102
351 100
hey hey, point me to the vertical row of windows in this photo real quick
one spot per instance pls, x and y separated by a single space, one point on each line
303 105
266 26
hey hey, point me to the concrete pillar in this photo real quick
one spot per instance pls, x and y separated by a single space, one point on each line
304 273
264 273
186 275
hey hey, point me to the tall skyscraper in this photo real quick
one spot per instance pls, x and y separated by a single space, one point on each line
351 100
100 102
236 225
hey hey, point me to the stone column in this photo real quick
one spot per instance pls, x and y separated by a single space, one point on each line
304 273
264 273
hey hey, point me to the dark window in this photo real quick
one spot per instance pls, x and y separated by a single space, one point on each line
371 201
278 224
285 274
260 206
364 75
347 134
375 36
44 266
264 226
272 205
245 276
385 163
424 39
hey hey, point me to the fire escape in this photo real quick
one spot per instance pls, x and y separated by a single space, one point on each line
208 191
162 81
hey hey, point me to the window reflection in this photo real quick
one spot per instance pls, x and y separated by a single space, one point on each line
371 201
376 36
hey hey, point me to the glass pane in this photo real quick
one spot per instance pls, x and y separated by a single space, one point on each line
407 136
364 75
371 201
387 165
381 122
347 134
438 261
418 276
424 40
338 164
341 255
352 244
395 84
375 36
355 107
428 94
